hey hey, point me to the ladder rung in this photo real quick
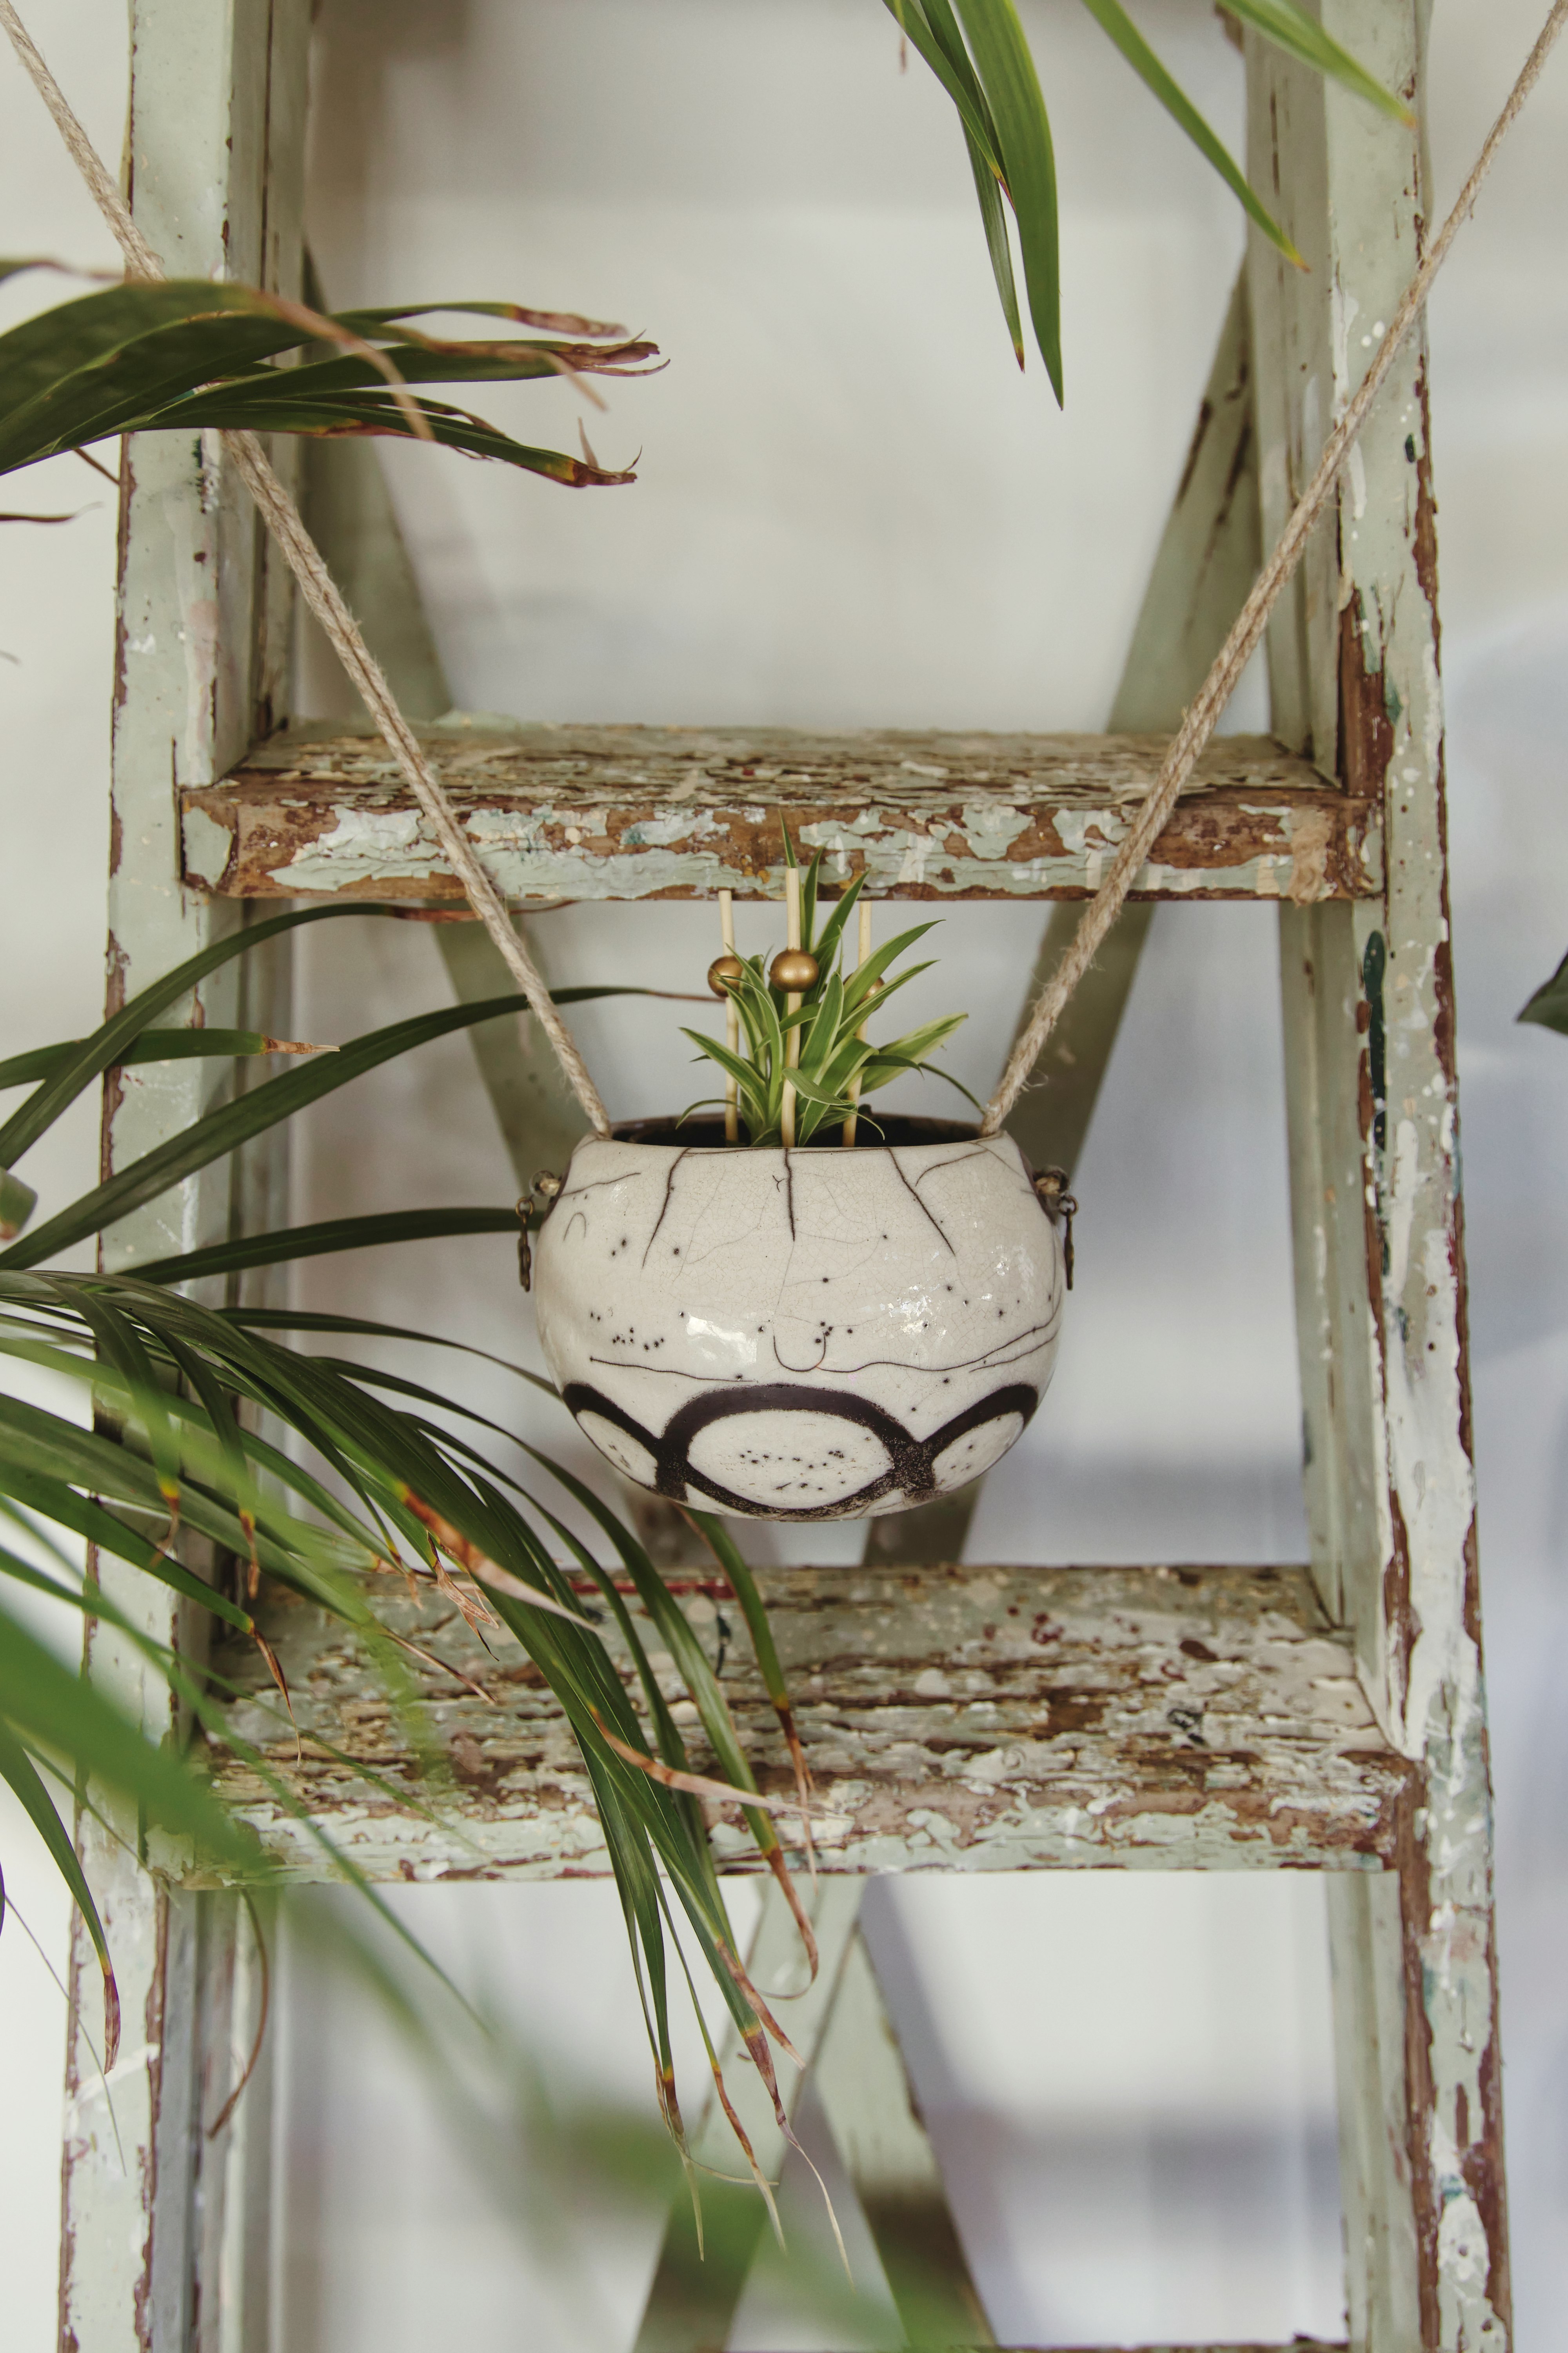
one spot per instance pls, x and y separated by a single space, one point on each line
565 813
997 1718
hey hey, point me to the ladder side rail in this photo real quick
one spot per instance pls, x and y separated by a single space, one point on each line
215 151
1378 1225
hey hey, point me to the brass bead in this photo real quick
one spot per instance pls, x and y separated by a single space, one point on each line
795 971
721 971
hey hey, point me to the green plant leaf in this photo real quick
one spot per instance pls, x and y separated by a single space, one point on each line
994 219
221 1131
827 946
1113 19
826 1018
1549 1005
18 1202
151 1046
191 352
258 408
59 1503
286 1243
1290 28
52 1703
961 86
111 1043
1007 76
858 985
21 1776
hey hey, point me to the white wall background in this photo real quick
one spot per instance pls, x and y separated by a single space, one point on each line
851 509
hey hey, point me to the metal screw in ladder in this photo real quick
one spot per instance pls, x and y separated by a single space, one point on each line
1345 1722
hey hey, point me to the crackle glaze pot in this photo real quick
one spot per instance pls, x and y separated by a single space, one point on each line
808 1334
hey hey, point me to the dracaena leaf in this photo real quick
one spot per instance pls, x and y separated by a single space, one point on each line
1113 19
1300 36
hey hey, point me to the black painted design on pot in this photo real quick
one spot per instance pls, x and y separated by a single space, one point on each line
912 1461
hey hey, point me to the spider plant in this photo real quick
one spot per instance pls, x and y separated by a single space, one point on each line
217 1459
810 1043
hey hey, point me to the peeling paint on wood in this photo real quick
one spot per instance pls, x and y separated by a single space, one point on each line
216 97
569 813
965 1719
1380 1269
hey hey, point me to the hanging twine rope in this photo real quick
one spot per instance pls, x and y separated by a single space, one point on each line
304 559
1232 659
282 518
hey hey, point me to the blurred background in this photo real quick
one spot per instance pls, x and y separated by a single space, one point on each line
851 509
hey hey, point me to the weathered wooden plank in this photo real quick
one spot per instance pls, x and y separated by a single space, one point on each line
566 813
217 101
1374 1170
965 1719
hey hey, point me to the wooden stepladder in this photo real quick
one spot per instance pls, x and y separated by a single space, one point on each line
1325 1716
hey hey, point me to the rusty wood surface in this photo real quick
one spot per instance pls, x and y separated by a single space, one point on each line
159 2222
964 1719
569 813
1378 1220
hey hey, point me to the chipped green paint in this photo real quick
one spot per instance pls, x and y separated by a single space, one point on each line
983 1719
562 814
1380 1270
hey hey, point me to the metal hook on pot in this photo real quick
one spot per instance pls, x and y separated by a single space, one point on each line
1051 1192
540 1196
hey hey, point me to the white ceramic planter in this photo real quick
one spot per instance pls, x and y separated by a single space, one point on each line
800 1336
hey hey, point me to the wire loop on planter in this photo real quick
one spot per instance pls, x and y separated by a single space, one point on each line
540 1198
1051 1192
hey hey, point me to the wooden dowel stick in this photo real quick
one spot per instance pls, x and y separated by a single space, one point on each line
792 1005
732 1021
864 912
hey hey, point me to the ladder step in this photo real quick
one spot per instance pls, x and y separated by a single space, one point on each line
970 1718
565 813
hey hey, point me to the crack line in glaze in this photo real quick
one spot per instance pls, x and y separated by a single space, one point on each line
808 1305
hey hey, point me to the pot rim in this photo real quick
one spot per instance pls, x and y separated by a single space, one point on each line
894 1132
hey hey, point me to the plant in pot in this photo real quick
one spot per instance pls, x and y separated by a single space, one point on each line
853 1315
836 1317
